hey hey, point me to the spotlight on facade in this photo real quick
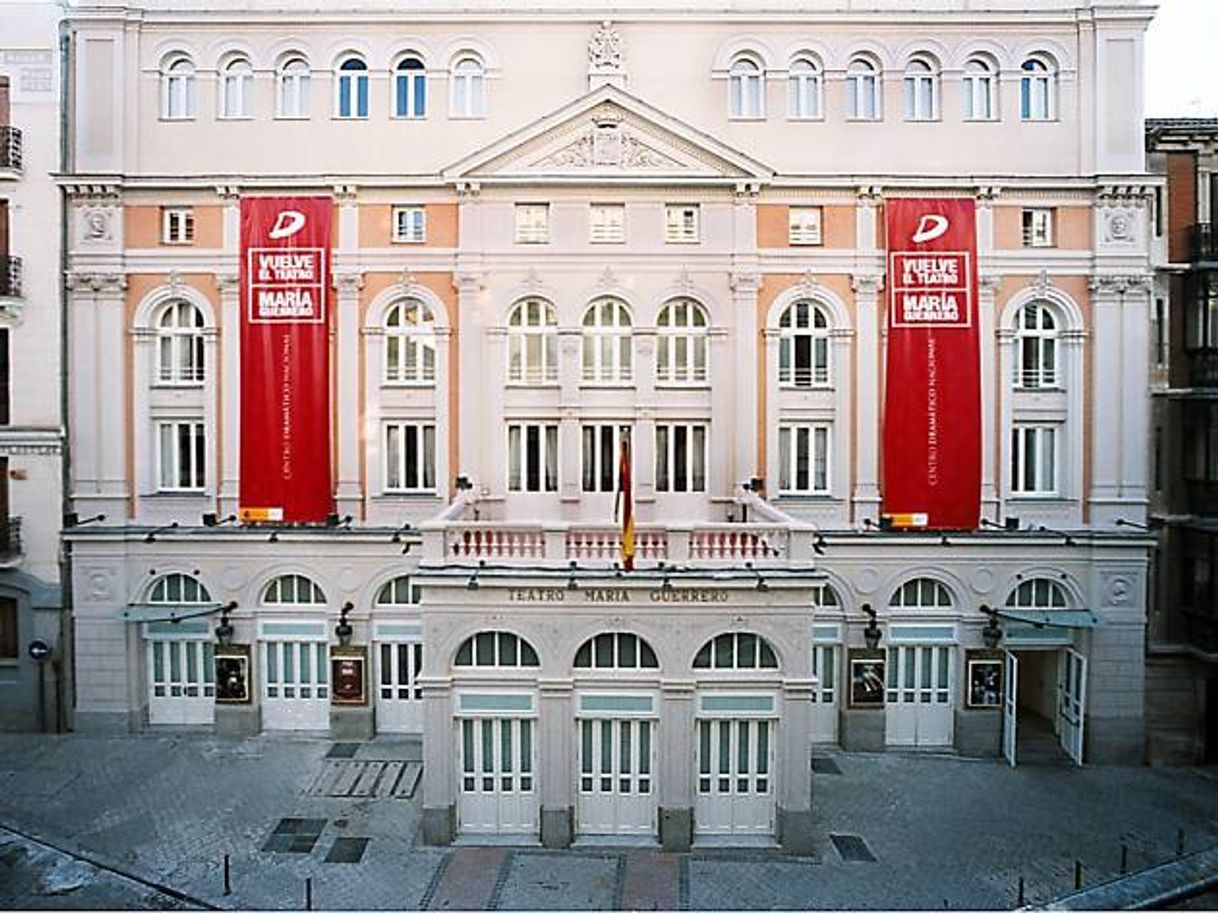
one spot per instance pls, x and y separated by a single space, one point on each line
871 633
1121 521
334 521
224 630
883 526
572 583
151 537
472 583
761 584
397 534
1067 539
72 518
343 629
274 536
464 484
819 544
991 634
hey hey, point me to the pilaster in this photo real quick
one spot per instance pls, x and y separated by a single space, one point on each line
348 494
229 365
868 371
743 430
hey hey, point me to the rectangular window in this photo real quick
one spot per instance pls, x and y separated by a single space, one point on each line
177 225
607 223
804 225
680 458
532 457
9 643
681 224
1034 460
803 454
1038 228
532 223
5 379
409 224
410 457
182 456
601 454
1160 332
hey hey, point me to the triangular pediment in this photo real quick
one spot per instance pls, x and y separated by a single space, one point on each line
608 134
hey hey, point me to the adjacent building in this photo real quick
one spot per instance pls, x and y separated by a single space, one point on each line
559 237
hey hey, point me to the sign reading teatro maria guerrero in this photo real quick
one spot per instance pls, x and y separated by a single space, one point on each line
599 595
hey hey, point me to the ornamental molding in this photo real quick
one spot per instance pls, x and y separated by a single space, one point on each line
605 49
867 284
606 143
1136 196
97 282
96 223
99 192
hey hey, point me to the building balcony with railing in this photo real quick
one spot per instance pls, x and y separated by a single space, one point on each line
11 163
10 277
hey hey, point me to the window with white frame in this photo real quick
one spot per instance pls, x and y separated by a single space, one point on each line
410 88
980 84
179 332
1038 593
1034 459
616 650
921 593
607 223
862 89
921 90
680 457
803 345
292 95
681 224
1037 227
400 591
410 343
533 343
410 457
468 88
1036 334
178 89
607 343
409 224
496 648
237 89
804 89
1037 84
532 457
182 456
682 331
532 223
804 225
351 89
177 589
736 650
803 459
602 450
745 88
177 225
293 589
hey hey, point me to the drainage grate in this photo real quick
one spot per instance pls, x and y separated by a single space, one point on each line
342 779
347 849
294 835
852 848
825 766
343 750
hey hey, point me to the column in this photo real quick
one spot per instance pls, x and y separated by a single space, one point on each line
676 766
725 422
1106 405
143 464
347 494
1004 405
643 446
770 341
1135 378
229 365
843 434
107 346
470 392
439 762
556 766
868 369
569 367
992 393
794 825
742 463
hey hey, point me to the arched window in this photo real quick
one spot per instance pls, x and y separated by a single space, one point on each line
824 596
468 88
351 89
1037 83
804 89
533 343
496 648
409 88
397 592
179 331
178 89
745 95
921 89
607 348
862 89
178 589
921 593
236 91
682 331
736 651
293 93
1035 347
616 651
293 589
980 89
410 343
1038 593
803 345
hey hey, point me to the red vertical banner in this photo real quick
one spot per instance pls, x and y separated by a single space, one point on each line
932 401
285 359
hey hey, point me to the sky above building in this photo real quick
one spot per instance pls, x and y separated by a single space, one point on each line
1181 63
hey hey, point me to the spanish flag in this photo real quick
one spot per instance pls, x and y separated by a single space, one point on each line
624 492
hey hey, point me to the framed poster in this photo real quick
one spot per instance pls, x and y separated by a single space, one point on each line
348 675
233 674
985 683
867 681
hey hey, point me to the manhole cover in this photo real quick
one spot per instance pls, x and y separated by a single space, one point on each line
343 750
342 779
294 835
347 849
825 766
852 848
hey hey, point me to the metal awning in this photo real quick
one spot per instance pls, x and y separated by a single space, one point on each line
1051 618
144 611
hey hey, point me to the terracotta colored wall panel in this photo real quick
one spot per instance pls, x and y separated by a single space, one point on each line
837 225
376 228
1072 227
142 226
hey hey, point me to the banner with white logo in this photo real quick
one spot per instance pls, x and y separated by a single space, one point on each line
932 401
285 359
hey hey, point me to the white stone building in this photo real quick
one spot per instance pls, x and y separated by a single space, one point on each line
557 228
31 423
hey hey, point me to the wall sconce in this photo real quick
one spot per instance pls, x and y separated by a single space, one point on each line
72 518
224 630
819 544
210 519
464 484
151 537
572 583
762 586
991 634
472 583
334 521
871 633
397 533
343 629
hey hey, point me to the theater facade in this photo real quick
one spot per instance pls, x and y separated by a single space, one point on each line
380 323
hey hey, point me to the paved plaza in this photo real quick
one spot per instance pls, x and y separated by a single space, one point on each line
102 822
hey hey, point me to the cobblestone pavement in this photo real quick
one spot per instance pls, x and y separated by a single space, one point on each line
167 808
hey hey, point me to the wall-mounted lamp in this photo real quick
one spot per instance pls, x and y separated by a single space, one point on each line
74 519
343 629
1067 539
819 544
333 521
572 583
224 630
991 634
472 583
210 519
762 586
151 537
274 536
397 533
883 526
1010 524
464 484
871 633
1121 521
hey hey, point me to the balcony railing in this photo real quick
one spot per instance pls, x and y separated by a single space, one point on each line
1202 242
10 538
10 277
10 148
